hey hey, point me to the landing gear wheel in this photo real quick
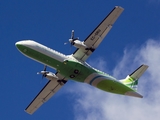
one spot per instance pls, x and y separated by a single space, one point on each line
72 76
76 71
91 49
61 81
64 81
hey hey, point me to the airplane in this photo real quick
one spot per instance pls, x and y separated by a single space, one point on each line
74 66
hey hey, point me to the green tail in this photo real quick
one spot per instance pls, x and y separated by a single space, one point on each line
130 82
132 79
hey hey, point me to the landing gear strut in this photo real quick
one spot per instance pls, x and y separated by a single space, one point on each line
91 49
61 81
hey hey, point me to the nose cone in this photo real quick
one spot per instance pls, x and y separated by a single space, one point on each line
25 46
24 43
19 45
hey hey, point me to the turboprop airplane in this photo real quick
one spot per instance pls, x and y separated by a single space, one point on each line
74 66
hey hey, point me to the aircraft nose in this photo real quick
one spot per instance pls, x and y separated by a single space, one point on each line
18 44
21 45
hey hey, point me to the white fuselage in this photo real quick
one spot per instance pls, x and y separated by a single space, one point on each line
29 44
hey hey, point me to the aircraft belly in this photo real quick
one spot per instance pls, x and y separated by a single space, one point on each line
113 86
107 83
74 70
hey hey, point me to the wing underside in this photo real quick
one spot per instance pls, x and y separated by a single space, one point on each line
98 34
45 94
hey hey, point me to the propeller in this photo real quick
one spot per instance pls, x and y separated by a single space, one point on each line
43 72
72 39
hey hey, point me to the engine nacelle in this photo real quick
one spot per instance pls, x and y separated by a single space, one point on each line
51 76
48 75
81 45
78 43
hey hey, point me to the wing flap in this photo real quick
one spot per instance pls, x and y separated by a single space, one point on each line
45 94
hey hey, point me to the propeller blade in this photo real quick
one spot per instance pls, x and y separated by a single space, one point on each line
65 43
72 40
42 76
45 67
72 34
38 73
43 72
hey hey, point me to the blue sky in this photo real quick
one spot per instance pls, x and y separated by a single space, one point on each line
133 40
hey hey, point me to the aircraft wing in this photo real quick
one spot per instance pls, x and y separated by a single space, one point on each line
98 34
44 95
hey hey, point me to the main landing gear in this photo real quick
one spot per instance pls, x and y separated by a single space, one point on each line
61 82
75 73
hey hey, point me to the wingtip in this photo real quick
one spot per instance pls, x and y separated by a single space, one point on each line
30 113
119 7
145 65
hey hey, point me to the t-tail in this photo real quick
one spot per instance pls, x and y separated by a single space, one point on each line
132 81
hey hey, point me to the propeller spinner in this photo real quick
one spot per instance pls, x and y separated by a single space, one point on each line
72 38
43 72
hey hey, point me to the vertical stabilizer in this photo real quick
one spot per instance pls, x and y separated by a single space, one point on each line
138 72
132 79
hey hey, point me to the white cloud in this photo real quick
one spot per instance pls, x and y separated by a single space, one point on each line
94 104
99 63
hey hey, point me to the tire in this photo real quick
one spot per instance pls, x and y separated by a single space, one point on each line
72 76
76 71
